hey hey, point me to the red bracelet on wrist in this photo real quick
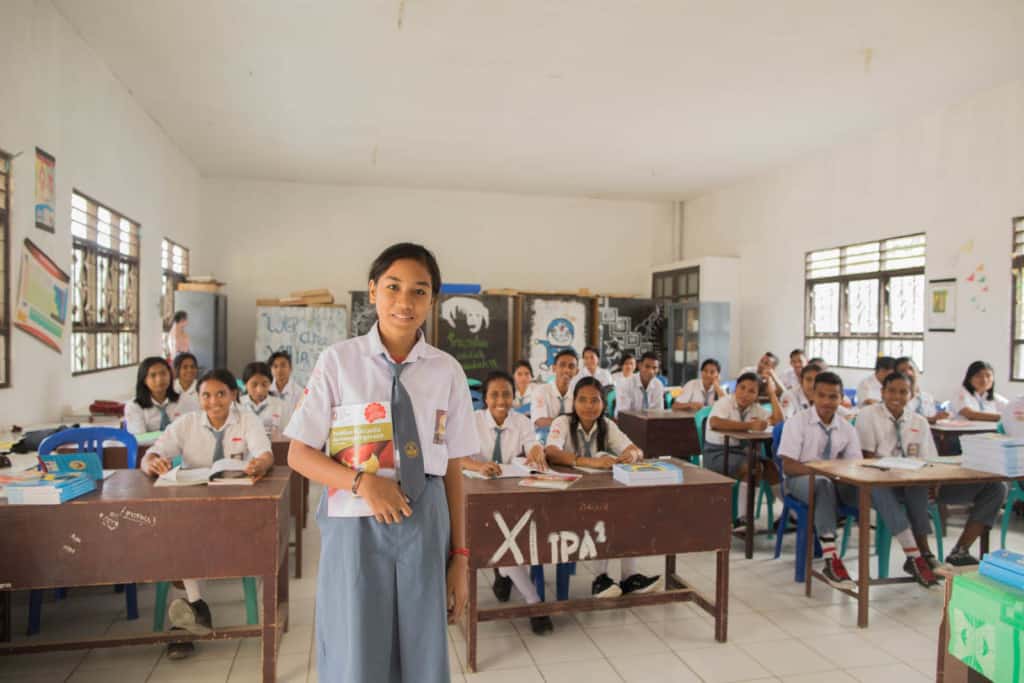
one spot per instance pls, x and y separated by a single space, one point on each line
460 551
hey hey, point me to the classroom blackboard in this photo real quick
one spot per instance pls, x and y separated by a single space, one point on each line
629 325
550 323
364 314
477 331
302 331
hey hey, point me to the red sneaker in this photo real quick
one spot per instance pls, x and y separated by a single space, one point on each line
918 568
836 574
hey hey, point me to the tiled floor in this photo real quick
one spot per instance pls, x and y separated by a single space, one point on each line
775 633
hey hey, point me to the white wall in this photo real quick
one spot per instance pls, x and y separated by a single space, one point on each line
957 175
59 96
310 236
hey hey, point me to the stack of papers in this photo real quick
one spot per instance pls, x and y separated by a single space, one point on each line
994 453
647 473
910 464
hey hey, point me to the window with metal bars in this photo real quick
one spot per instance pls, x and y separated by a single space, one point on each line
1017 310
866 300
104 287
5 269
174 266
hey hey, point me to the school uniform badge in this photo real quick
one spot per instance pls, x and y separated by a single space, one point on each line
913 450
410 449
440 426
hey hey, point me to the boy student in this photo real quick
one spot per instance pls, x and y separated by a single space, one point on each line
645 392
791 378
870 388
818 433
590 367
801 396
891 429
921 402
765 371
554 399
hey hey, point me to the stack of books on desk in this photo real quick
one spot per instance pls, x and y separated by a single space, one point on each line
647 473
994 453
35 488
1005 567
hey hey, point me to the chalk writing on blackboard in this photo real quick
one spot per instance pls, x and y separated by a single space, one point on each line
302 332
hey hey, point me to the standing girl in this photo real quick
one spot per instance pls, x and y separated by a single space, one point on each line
156 402
391 527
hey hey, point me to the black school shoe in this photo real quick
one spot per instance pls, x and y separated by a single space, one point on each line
638 583
541 625
933 562
961 558
193 617
604 587
502 587
918 568
182 650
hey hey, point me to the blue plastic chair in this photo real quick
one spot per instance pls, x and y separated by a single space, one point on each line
851 394
478 399
563 571
88 440
729 386
610 398
792 504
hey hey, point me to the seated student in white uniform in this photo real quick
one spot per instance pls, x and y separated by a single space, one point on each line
589 439
846 408
258 401
921 402
976 399
590 367
870 388
186 376
283 386
701 391
522 373
202 438
504 435
791 376
765 371
817 432
155 405
739 411
801 398
552 399
889 429
645 392
623 376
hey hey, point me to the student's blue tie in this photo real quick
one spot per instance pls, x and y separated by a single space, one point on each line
496 453
587 449
646 399
826 452
899 437
218 448
561 405
406 436
165 419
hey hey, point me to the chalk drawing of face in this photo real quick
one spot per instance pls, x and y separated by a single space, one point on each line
474 310
561 331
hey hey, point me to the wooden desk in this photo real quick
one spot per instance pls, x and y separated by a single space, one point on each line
854 472
749 440
116 457
509 525
947 433
123 533
661 432
299 496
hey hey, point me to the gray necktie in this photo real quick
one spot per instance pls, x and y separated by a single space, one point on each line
165 419
981 403
406 437
260 410
646 399
218 449
899 437
496 453
561 404
587 450
826 453
707 396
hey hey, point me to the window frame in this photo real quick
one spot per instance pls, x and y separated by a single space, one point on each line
173 275
5 254
1016 292
93 246
669 280
883 276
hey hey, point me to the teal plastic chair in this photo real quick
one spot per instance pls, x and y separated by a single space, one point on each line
700 419
883 540
252 609
1016 494
609 400
474 383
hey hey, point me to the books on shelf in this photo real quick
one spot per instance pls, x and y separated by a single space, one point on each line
37 488
224 472
653 473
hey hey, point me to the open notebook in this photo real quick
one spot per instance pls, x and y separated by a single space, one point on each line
225 472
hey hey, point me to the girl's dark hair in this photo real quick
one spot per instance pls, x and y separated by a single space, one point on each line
885 363
179 316
711 361
222 375
828 378
523 364
279 354
748 377
407 250
796 352
627 356
181 358
256 368
142 395
593 350
896 377
574 420
818 360
497 376
972 370
812 367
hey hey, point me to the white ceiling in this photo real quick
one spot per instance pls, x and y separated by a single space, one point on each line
655 98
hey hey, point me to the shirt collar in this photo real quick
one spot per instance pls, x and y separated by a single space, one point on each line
421 349
232 419
161 404
586 434
889 414
817 418
491 424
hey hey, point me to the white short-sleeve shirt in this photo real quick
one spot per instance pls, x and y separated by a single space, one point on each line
790 379
615 440
139 420
189 399
980 402
804 437
923 404
694 392
793 401
601 375
727 409
354 371
517 436
876 428
524 398
549 402
869 389
192 438
632 396
1013 418
271 412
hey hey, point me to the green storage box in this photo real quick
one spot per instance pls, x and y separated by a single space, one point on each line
986 627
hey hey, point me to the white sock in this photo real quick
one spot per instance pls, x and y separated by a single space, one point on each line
906 540
741 507
192 589
601 566
521 580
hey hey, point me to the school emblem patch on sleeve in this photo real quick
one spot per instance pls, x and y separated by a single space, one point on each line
410 449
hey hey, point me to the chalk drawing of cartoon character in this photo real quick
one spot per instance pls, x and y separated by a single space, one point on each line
560 334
